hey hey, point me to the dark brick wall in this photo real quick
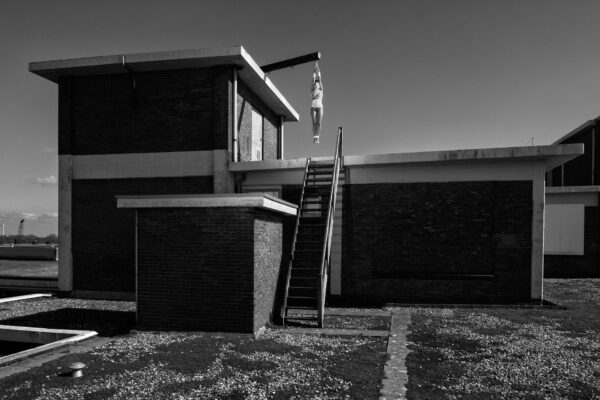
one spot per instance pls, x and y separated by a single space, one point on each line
585 266
428 242
578 172
103 235
178 110
246 102
210 269
268 236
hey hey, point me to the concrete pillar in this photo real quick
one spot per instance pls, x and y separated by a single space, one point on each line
537 237
223 181
65 255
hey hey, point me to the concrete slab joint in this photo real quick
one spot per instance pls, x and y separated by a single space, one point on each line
395 371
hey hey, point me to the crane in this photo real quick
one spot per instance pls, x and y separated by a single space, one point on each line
20 233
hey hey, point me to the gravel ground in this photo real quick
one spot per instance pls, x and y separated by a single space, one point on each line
509 353
277 365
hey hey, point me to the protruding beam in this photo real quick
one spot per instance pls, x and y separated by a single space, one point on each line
292 62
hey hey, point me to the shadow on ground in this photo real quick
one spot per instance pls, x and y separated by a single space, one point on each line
105 322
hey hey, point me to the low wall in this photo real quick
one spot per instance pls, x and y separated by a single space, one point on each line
28 253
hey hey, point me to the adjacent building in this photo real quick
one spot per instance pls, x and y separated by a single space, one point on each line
572 213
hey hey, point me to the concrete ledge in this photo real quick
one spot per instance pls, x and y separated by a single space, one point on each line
258 200
25 297
572 189
553 155
56 337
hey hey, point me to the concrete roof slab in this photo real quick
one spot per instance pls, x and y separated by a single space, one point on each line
249 71
552 155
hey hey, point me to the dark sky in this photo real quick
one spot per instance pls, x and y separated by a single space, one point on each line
400 76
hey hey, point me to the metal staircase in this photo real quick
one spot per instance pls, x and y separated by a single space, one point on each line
310 259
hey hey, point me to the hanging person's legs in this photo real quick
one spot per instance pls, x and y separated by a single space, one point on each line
317 117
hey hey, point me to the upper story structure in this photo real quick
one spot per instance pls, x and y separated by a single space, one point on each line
150 123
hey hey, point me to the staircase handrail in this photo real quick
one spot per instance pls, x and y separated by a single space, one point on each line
293 248
325 259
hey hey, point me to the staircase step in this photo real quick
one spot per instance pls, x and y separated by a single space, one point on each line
302 297
319 180
300 308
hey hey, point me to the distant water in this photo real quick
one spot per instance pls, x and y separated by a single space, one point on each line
39 269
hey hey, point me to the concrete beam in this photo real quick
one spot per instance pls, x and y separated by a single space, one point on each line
143 165
258 200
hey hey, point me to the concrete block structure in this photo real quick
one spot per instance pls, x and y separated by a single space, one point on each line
443 226
207 262
573 216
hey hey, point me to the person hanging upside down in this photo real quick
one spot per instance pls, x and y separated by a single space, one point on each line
316 110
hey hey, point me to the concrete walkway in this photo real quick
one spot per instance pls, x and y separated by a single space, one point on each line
395 372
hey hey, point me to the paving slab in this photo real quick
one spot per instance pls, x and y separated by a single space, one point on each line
342 312
395 372
338 332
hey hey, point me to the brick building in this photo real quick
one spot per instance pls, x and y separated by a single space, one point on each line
572 217
170 128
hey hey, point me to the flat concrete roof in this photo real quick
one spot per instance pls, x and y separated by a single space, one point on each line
572 189
249 71
259 200
552 155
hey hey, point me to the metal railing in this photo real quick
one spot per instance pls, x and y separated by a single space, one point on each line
326 257
293 249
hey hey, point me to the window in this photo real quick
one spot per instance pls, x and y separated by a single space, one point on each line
256 153
564 229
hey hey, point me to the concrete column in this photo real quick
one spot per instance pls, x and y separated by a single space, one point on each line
537 238
65 255
223 181
280 139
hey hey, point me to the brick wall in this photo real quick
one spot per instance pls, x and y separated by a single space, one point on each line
246 102
207 269
428 242
103 235
268 238
585 266
178 110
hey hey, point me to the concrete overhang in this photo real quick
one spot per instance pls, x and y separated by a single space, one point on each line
248 70
259 200
572 189
551 155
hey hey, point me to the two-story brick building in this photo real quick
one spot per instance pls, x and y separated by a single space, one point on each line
464 225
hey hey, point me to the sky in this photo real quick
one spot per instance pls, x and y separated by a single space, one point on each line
398 75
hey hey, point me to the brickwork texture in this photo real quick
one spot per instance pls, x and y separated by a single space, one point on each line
103 236
437 242
210 269
177 110
246 102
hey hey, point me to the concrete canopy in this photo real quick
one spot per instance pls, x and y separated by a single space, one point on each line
249 72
